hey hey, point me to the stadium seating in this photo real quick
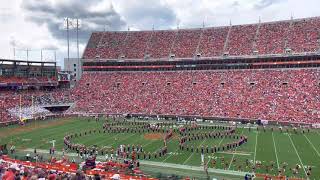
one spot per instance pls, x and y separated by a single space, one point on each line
12 100
91 50
160 44
305 35
136 45
280 95
186 43
108 45
300 35
64 169
271 38
212 41
241 40
13 79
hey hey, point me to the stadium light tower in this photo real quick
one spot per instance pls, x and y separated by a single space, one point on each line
66 25
78 52
70 23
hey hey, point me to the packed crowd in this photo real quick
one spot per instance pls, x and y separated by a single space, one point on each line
212 41
241 40
280 95
299 35
92 46
15 104
107 44
271 38
63 169
160 44
136 44
186 43
305 35
26 80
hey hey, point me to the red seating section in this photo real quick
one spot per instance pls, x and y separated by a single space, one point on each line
212 41
13 79
300 35
161 43
11 99
254 94
186 43
136 44
305 36
241 40
112 45
271 38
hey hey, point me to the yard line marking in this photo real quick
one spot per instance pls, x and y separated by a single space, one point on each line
233 154
106 139
255 148
193 152
312 145
90 140
208 161
122 139
218 146
147 144
275 150
294 147
137 139
162 146
170 155
236 153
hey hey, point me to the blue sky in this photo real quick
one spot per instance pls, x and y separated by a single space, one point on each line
38 24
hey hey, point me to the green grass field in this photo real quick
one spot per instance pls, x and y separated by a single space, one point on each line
271 148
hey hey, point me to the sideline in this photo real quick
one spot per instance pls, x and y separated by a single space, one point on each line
158 164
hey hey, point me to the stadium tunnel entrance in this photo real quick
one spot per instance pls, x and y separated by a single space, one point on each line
58 108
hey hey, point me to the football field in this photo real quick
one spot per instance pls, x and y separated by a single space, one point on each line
295 154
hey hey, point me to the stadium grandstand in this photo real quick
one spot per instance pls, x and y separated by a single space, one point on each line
265 71
295 36
24 85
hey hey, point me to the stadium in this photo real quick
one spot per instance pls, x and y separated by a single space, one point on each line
223 102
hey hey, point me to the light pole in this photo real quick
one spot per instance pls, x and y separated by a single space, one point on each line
73 23
78 53
66 25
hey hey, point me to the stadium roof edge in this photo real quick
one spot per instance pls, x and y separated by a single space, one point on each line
25 61
216 27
